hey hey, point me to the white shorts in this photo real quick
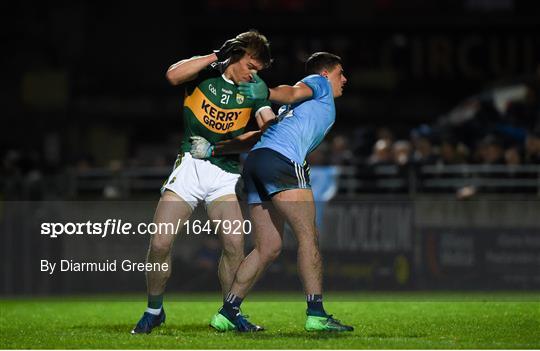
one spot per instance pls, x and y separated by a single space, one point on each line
196 180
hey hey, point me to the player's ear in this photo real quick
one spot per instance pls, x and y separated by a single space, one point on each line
324 73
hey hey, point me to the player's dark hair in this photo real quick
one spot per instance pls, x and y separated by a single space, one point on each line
320 61
256 45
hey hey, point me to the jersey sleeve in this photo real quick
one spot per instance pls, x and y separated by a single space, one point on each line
318 84
210 71
258 104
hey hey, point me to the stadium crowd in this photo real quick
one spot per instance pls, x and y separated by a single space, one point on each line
485 129
500 126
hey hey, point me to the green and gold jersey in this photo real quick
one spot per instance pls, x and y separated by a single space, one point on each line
215 110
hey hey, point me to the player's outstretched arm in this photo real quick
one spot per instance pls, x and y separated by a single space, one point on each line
283 94
287 94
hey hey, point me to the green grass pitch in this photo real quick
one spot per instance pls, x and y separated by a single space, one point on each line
381 321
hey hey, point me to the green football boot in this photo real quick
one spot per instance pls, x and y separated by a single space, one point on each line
327 323
221 323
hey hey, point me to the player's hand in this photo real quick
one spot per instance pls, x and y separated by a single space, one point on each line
228 48
254 90
200 147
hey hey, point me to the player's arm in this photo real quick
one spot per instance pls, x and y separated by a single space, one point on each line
287 94
202 148
264 117
244 142
237 145
187 70
283 94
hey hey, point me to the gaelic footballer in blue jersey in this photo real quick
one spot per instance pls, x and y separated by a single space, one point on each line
275 172
277 161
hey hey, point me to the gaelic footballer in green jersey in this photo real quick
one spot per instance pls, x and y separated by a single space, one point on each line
216 111
213 109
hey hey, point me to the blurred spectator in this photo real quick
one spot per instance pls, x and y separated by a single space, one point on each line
532 148
115 187
382 153
451 153
490 151
84 163
361 144
340 152
319 155
402 150
525 113
385 133
324 180
423 151
22 176
512 156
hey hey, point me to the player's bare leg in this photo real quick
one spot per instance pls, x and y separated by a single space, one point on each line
298 208
227 208
170 210
268 233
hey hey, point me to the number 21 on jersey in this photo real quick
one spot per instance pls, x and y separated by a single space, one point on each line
225 98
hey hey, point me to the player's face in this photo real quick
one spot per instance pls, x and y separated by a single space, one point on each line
241 70
337 80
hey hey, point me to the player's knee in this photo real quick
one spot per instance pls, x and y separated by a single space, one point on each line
233 249
160 248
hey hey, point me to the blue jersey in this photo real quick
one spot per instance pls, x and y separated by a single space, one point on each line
302 126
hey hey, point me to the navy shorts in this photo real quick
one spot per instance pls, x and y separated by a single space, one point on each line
267 172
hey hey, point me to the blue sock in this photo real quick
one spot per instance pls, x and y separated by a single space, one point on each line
155 301
231 305
315 305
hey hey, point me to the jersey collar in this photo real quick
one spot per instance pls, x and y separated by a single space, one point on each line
227 79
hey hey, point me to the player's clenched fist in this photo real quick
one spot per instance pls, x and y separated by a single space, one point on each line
229 47
200 147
